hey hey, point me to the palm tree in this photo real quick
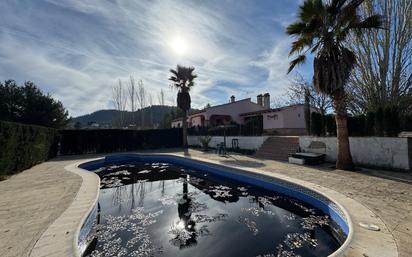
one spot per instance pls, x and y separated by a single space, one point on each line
183 80
323 28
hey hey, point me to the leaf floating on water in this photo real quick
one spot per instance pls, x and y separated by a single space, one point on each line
204 231
180 235
200 218
256 211
195 180
168 200
297 240
251 225
135 224
264 200
197 207
117 173
285 253
312 222
111 182
290 216
302 207
220 191
242 189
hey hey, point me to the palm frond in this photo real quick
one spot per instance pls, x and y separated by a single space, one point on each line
335 6
300 44
298 60
347 13
374 21
309 9
295 28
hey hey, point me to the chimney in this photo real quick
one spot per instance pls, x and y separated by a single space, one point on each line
232 99
266 101
259 99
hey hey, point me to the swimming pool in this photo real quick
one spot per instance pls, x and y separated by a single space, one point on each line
158 205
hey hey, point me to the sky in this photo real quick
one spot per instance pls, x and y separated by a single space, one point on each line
78 50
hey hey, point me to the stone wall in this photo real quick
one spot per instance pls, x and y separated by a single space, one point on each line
251 143
384 152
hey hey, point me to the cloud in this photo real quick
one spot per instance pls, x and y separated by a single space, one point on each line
77 50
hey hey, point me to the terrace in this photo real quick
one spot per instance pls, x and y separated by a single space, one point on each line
35 203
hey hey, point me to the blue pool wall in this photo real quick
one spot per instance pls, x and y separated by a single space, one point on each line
281 186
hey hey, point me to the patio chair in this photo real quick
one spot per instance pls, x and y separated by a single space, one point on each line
221 149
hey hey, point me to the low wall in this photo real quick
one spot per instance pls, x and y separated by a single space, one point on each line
385 152
250 143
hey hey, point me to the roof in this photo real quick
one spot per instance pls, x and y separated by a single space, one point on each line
238 101
178 119
269 110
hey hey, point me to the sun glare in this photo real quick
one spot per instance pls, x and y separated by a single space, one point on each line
179 46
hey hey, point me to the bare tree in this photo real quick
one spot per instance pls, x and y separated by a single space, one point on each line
141 100
384 71
150 100
161 97
299 89
276 102
132 98
120 101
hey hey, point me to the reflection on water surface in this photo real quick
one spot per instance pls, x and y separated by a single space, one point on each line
159 209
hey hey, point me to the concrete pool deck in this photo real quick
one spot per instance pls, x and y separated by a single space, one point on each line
31 201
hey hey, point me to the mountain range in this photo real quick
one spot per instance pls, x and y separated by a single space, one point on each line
153 117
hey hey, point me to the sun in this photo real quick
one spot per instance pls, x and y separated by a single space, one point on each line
179 46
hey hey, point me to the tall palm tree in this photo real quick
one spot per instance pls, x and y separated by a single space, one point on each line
323 28
183 79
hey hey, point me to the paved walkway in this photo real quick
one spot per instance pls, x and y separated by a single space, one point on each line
33 199
30 202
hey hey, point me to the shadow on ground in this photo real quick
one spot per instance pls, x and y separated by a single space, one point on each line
243 163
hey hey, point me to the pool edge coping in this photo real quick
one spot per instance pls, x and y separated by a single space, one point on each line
71 218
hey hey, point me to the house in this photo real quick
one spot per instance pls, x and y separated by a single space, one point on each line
288 120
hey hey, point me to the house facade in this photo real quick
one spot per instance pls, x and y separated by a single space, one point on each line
288 120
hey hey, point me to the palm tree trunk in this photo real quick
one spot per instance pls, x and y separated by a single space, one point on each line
344 158
184 125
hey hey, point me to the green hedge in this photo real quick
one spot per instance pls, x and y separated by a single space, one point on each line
117 140
22 146
384 122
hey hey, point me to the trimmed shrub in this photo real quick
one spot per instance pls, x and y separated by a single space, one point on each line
316 124
379 127
356 126
330 124
391 121
370 124
117 140
22 146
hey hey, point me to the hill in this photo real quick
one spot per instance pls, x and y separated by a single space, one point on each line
153 117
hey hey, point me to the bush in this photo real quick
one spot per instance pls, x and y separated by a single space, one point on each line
390 121
330 124
117 140
379 122
204 141
22 146
370 123
356 126
316 124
